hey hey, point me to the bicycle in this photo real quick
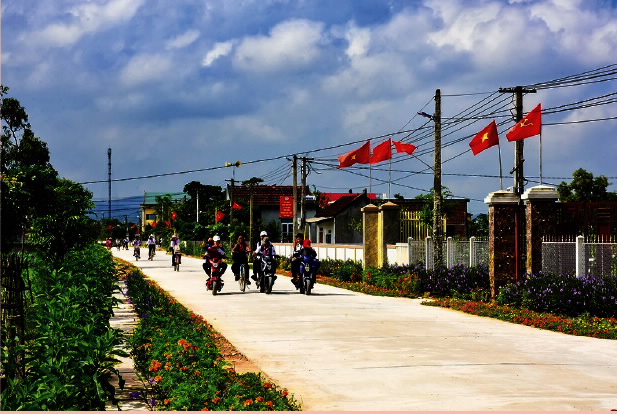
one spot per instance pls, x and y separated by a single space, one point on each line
244 276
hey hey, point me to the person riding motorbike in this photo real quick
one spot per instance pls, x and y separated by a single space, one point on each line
296 257
308 251
215 251
265 249
257 260
239 255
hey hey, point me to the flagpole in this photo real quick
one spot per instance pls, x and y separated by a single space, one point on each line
500 169
370 170
390 174
540 158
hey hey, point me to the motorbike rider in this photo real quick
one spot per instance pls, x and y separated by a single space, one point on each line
307 250
239 255
257 260
296 257
215 251
174 246
266 249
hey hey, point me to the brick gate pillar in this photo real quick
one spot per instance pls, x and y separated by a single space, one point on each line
370 221
390 229
540 221
502 207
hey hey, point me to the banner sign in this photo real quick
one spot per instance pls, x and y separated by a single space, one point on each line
287 207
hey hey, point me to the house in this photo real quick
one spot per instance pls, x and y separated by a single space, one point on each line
274 203
340 221
150 207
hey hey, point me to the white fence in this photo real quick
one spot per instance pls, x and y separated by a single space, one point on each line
581 256
327 251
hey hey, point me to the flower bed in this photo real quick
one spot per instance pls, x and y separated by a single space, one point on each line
175 351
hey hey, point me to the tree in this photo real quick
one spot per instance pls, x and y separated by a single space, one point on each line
479 226
584 187
426 215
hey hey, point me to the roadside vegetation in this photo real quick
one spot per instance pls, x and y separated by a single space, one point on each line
175 352
563 303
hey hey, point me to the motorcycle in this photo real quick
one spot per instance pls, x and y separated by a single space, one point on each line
215 282
306 274
267 275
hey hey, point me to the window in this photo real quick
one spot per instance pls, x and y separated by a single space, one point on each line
287 228
151 217
329 236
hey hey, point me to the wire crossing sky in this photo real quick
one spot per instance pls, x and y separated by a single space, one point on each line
177 90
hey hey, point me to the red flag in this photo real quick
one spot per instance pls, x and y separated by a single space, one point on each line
485 139
382 152
362 155
404 147
219 216
236 206
174 215
527 127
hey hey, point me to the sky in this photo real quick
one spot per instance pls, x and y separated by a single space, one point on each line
178 89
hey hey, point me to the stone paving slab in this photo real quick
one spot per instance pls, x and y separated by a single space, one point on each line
342 350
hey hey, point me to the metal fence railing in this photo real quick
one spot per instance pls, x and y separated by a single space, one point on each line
581 256
471 252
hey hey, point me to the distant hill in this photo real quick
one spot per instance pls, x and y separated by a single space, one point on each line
120 207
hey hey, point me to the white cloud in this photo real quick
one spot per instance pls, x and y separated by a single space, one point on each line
219 50
146 68
183 40
359 41
293 44
86 18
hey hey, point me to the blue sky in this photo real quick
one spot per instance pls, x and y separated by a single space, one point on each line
192 84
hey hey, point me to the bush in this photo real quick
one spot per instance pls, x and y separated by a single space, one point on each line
70 349
563 294
345 271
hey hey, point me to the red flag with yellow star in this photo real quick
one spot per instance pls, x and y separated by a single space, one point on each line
485 139
362 155
527 127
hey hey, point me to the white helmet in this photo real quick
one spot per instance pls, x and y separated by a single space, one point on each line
263 233
216 238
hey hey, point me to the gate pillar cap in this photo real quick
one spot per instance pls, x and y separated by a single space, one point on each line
501 197
390 206
541 192
370 208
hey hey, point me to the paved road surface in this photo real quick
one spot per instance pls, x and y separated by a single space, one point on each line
340 350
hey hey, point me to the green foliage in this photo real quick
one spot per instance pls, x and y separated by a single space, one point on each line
345 271
584 187
176 351
69 351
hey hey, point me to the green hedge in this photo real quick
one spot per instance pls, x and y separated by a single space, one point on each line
68 353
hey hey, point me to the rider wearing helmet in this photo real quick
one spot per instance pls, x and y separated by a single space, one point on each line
257 260
296 257
215 251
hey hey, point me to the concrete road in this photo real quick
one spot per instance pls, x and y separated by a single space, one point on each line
340 350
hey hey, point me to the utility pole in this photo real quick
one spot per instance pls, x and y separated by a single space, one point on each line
294 169
109 182
305 161
519 179
437 197
519 159
197 218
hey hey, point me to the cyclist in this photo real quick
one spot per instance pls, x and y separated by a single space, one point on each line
239 255
174 246
151 247
137 247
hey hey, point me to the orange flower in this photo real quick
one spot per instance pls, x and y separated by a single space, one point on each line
267 385
158 379
259 399
168 355
270 404
248 402
198 373
216 400
167 401
155 366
